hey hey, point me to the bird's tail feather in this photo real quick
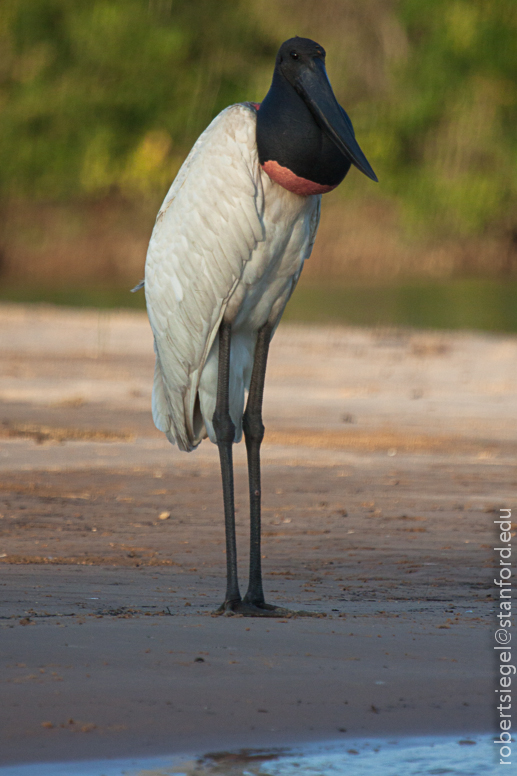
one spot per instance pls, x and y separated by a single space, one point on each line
165 411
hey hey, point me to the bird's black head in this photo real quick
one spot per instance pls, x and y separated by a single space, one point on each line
304 137
295 55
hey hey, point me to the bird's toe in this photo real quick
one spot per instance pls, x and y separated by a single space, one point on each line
261 609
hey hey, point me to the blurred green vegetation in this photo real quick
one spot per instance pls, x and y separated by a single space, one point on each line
450 131
109 95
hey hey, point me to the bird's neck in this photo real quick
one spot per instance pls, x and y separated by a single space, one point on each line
292 148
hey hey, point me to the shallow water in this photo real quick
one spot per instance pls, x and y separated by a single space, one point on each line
476 303
454 756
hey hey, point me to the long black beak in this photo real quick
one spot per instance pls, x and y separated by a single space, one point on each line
314 87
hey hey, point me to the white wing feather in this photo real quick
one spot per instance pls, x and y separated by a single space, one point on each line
206 230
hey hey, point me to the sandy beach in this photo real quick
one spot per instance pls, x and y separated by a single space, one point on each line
387 455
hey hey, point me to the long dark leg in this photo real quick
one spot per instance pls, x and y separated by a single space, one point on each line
254 434
225 433
253 603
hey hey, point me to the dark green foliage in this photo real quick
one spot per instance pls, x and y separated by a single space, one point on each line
110 94
449 125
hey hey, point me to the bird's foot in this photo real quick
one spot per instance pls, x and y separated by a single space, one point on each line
259 609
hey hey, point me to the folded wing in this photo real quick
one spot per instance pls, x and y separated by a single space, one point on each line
206 230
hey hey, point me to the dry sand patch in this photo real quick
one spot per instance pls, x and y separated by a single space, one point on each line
386 456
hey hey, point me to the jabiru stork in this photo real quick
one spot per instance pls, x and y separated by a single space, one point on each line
226 252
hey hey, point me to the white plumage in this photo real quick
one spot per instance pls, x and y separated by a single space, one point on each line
228 243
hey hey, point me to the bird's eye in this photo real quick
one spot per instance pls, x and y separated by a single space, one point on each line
294 55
